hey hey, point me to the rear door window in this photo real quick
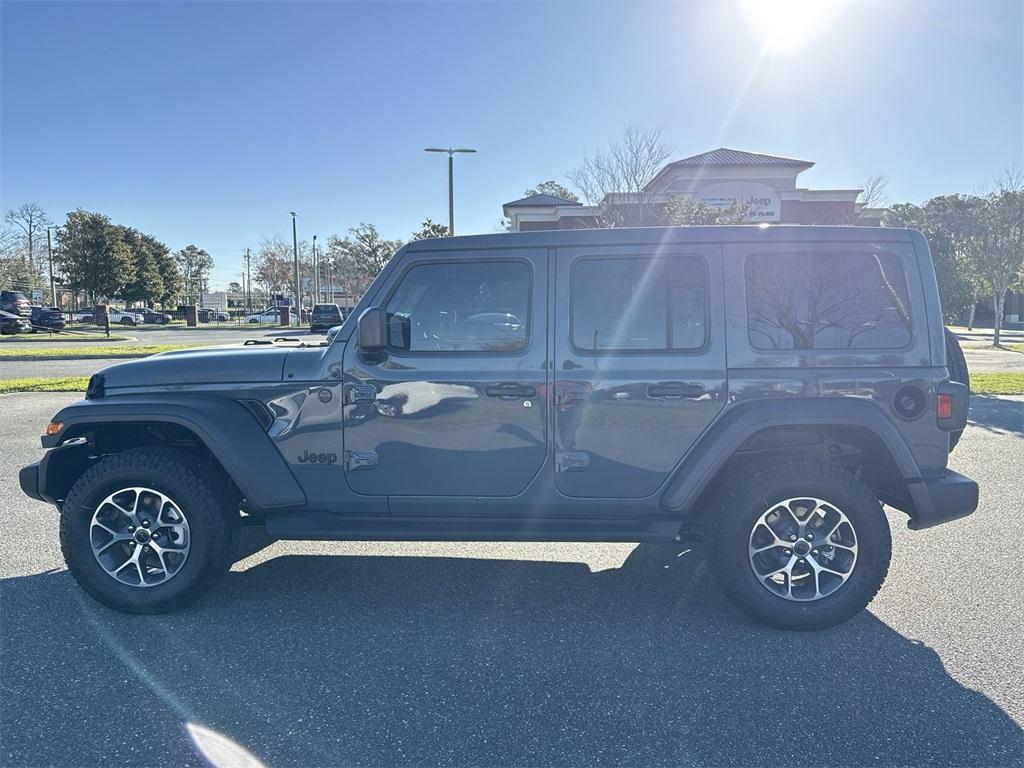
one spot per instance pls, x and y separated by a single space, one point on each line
827 301
637 305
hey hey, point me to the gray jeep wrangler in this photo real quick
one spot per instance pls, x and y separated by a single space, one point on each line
765 387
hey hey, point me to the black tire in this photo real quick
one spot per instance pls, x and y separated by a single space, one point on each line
729 530
956 364
213 524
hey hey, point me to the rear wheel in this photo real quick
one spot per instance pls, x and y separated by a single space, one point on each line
956 364
800 545
147 530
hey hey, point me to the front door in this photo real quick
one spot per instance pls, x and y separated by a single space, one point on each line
639 364
457 406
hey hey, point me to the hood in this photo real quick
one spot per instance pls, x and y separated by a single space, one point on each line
208 365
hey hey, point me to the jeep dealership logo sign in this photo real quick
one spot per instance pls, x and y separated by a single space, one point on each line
762 199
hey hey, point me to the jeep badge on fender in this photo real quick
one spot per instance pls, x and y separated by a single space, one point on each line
318 458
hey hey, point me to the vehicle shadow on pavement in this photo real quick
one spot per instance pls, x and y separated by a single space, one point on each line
320 660
997 414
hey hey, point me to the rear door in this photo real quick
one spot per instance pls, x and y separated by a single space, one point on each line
458 406
640 366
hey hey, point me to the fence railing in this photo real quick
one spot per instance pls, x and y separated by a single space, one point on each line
51 320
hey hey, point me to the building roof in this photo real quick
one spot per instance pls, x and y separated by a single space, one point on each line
540 201
726 156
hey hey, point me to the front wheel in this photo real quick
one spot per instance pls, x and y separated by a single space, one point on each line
800 545
147 530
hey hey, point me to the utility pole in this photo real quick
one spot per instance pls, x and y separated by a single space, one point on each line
298 287
451 181
49 254
248 283
316 278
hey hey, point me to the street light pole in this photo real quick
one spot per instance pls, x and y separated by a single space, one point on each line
316 278
298 287
49 256
451 180
248 284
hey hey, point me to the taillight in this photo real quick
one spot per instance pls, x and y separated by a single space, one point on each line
951 401
944 407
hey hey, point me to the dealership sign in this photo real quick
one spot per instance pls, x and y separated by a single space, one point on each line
762 200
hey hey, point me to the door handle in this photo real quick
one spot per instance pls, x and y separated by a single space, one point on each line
675 390
510 390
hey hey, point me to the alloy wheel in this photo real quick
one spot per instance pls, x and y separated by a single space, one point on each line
803 549
139 536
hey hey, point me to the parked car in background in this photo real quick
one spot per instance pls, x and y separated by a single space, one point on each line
325 316
16 303
116 316
12 323
268 315
48 318
154 317
207 315
124 318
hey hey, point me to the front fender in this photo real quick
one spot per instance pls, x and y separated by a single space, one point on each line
223 425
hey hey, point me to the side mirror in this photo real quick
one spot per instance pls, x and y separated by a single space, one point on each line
372 330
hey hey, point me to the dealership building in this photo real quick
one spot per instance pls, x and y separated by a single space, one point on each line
765 184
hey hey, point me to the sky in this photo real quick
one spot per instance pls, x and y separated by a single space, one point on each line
207 122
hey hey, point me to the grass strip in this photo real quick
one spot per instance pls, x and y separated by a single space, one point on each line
44 384
59 338
104 352
1002 383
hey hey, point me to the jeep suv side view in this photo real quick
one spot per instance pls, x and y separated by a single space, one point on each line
766 387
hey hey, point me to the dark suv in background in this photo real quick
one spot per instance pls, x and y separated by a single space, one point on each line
48 318
15 303
325 316
768 387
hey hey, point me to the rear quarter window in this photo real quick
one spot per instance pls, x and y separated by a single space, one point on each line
827 301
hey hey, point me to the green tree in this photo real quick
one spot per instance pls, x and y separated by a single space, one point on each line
953 226
550 187
429 229
685 211
146 284
195 265
92 255
170 274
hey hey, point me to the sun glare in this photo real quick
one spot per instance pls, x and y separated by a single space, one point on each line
787 24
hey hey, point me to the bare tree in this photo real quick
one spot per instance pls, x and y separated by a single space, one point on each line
873 191
616 179
31 222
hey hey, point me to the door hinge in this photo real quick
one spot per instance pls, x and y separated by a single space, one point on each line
575 461
360 460
360 393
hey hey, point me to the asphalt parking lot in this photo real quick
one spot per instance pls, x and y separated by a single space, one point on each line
484 654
